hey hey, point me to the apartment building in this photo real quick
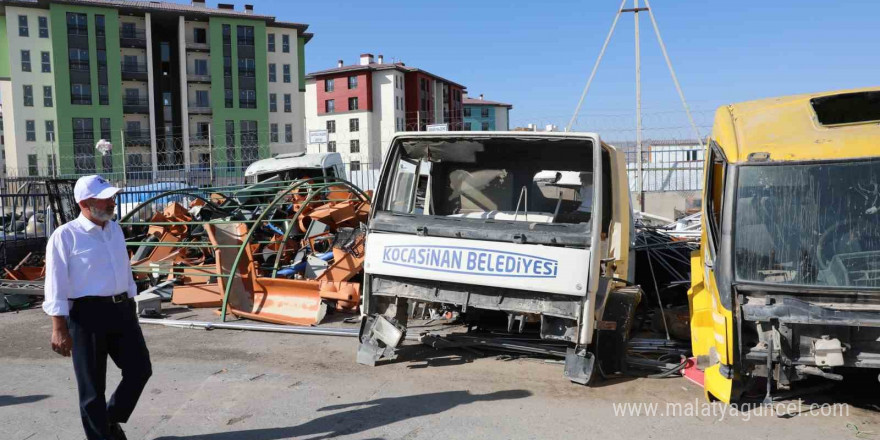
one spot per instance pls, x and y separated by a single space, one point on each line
170 86
483 115
364 104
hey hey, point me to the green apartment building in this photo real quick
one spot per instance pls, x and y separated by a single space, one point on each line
170 86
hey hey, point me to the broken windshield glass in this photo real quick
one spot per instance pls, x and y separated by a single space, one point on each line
546 181
809 224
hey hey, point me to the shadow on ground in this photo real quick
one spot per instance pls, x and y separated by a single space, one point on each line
6 400
363 416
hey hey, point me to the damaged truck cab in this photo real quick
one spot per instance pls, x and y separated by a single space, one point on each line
786 283
536 226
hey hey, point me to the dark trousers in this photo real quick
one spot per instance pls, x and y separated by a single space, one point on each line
98 329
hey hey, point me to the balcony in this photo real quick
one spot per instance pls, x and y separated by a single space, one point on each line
137 138
79 65
135 104
199 139
81 98
198 47
199 107
198 77
134 71
132 38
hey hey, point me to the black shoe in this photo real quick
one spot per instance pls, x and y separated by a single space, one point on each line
116 432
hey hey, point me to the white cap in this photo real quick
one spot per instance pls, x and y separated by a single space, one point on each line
93 187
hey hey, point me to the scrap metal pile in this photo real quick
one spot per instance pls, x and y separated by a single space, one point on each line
283 252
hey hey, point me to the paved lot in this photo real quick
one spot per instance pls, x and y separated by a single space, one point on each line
225 385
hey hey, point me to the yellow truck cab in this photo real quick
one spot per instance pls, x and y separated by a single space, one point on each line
786 283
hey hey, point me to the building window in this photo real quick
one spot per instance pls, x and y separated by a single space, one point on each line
83 145
355 146
273 104
44 27
484 112
200 36
22 26
81 94
286 77
354 124
355 165
201 66
468 126
230 144
227 66
467 112
103 94
227 34
288 132
32 165
273 132
30 130
79 59
331 147
245 35
99 27
328 85
285 43
50 164
247 67
77 24
47 96
353 103
271 42
228 98
28 95
50 131
352 82
247 99
272 76
25 61
331 126
249 143
287 103
202 99
46 61
484 126
329 106
105 128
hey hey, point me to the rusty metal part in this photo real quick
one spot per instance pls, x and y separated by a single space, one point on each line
197 295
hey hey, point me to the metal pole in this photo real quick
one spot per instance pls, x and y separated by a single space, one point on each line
122 147
210 155
595 67
345 332
672 73
641 186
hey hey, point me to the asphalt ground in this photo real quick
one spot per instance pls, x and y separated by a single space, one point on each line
241 385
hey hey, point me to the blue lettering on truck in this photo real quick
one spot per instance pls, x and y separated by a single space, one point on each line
472 261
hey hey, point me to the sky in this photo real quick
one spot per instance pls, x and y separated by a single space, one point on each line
537 56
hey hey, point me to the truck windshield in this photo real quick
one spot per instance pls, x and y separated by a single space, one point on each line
809 224
536 181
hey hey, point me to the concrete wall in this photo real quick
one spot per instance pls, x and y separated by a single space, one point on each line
669 204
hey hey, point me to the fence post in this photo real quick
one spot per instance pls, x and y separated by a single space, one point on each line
210 155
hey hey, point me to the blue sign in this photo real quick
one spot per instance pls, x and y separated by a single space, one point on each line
471 261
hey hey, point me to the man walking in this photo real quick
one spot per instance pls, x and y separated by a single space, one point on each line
89 291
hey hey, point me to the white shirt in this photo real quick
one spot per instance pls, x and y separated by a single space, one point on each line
84 259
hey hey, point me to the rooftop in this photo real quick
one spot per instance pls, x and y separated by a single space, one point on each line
480 101
195 9
377 67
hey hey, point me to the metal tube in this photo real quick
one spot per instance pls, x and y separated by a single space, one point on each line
300 330
641 186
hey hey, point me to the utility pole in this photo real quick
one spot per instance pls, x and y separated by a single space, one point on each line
635 10
641 176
